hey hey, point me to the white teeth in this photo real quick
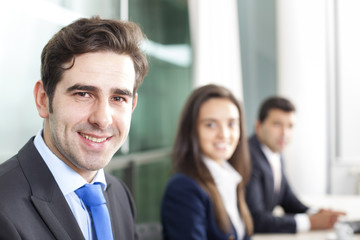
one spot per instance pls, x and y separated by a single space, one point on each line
93 139
221 145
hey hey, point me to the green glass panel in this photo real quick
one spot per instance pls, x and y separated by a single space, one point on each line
150 184
160 99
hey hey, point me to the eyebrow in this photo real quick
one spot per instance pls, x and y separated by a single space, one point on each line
81 87
95 89
216 119
123 92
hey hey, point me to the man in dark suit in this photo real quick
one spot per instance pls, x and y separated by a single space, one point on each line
268 186
90 73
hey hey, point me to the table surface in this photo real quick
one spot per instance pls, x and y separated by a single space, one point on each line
313 235
347 203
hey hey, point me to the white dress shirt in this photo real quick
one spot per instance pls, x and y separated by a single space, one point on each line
275 163
302 220
68 181
227 179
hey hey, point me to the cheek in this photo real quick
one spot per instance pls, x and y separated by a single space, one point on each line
70 112
236 134
203 141
204 136
122 121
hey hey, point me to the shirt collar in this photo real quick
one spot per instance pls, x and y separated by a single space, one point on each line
270 155
67 179
223 171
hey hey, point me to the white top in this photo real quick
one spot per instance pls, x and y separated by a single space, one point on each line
227 179
302 220
275 163
68 181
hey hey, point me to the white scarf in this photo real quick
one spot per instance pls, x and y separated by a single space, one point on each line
227 179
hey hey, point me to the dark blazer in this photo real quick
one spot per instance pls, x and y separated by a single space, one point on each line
33 207
187 212
262 199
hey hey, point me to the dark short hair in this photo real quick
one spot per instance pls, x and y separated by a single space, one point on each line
88 35
274 102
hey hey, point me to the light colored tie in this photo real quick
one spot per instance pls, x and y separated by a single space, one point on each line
276 168
93 198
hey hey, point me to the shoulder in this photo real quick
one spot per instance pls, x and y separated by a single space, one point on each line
181 186
12 180
256 153
254 143
8 167
184 183
119 195
14 191
180 178
117 186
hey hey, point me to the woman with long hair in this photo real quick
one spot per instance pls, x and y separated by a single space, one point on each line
204 199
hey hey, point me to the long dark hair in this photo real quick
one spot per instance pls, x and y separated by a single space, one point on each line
187 155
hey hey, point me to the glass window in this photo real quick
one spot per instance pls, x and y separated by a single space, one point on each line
168 83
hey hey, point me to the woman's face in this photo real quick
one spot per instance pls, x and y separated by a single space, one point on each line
218 128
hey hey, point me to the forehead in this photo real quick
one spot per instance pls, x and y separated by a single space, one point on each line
280 115
218 108
101 68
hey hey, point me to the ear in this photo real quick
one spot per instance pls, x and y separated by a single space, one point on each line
134 101
257 127
41 99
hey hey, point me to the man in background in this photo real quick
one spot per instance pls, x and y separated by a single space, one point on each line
55 187
268 186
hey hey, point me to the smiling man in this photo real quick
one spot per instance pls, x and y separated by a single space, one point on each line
268 186
90 73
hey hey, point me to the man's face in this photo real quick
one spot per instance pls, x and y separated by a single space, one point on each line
92 109
276 130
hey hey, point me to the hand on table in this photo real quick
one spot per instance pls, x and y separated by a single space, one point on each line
325 219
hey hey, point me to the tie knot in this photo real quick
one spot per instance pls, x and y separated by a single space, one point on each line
91 195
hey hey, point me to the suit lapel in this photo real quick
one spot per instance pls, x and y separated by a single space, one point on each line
47 196
114 220
268 176
47 211
269 181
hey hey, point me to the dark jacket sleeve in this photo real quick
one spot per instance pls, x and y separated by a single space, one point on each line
261 198
8 230
183 210
289 201
187 213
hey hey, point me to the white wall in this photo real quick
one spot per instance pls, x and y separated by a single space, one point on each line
215 41
26 26
318 51
302 76
345 154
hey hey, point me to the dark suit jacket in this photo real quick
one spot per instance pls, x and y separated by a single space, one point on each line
187 212
33 207
262 199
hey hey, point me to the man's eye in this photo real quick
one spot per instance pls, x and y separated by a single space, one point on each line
119 99
82 94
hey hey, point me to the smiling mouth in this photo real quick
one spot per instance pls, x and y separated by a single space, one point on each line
93 139
222 145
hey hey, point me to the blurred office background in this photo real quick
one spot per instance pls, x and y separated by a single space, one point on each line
302 49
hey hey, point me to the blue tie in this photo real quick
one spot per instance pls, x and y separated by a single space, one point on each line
93 198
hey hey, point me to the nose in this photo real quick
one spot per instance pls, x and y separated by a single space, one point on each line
224 132
101 115
282 131
287 132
